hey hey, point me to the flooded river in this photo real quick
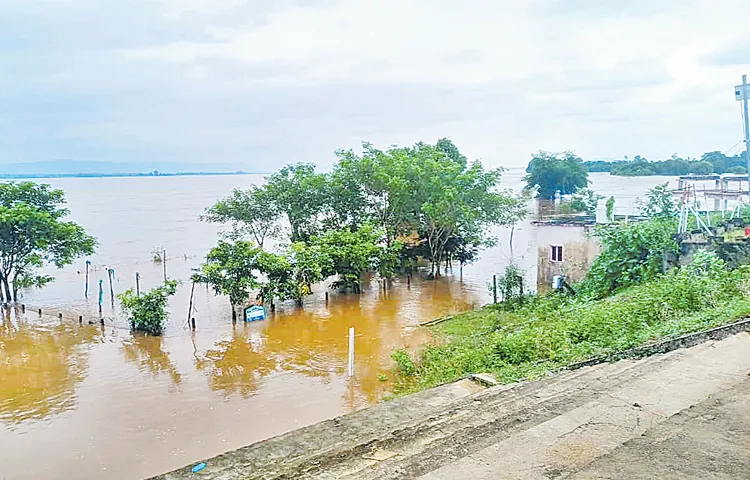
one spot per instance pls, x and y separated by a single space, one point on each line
93 401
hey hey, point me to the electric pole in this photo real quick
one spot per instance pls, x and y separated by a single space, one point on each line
742 92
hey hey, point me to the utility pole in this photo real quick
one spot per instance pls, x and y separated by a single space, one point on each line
742 92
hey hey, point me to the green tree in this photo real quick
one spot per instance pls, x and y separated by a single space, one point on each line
446 146
659 203
455 202
231 269
737 169
33 233
148 312
300 194
386 191
550 173
611 209
348 203
252 212
630 254
291 275
583 201
351 252
701 168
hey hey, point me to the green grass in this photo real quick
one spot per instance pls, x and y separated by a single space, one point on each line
550 332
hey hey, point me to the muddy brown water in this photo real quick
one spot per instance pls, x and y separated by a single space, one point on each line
92 401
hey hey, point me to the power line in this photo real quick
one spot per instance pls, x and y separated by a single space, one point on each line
731 149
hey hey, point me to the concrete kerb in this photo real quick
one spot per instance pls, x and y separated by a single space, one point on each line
488 380
684 341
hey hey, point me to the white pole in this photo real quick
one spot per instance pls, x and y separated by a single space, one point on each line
351 352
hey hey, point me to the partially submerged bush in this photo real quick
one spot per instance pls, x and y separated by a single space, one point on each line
148 312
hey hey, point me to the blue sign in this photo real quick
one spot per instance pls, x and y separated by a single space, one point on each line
255 313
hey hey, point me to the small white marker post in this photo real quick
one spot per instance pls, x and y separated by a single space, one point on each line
351 351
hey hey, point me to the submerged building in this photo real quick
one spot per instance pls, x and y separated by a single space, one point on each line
565 247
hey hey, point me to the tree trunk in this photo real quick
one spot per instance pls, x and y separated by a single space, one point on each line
234 313
6 286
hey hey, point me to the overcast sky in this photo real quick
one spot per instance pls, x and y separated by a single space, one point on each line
260 83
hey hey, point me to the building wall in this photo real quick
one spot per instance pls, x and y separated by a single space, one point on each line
579 251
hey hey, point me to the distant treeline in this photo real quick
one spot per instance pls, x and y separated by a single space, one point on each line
108 175
711 162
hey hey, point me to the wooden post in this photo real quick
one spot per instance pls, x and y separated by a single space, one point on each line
494 288
137 284
351 352
164 262
101 296
190 305
110 275
86 293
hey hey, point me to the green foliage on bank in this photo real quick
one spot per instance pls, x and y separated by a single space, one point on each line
544 334
710 162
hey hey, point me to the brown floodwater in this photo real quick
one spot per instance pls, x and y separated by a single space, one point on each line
92 401
95 401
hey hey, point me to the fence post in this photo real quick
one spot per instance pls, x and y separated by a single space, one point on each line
351 352
494 288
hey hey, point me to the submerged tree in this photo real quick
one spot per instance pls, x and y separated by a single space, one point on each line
550 173
351 252
33 233
231 269
299 193
252 212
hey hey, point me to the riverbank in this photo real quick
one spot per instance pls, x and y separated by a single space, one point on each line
550 332
585 420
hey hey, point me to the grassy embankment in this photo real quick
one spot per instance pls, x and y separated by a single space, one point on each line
554 331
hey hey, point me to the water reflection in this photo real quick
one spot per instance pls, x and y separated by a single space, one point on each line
146 353
41 364
236 365
313 341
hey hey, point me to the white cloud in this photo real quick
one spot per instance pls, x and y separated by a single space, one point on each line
293 80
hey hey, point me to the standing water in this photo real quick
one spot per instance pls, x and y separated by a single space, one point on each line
95 401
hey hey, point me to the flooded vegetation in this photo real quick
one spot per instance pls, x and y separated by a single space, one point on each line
85 393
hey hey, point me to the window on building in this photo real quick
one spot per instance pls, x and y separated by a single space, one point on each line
556 254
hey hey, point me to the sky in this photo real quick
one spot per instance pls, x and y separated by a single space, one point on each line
260 83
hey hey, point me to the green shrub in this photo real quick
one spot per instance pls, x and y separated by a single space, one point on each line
148 312
549 332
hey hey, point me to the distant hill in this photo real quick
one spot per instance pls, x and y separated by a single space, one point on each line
92 168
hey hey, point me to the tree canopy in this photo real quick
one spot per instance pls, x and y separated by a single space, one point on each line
252 212
33 233
378 210
710 162
550 173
